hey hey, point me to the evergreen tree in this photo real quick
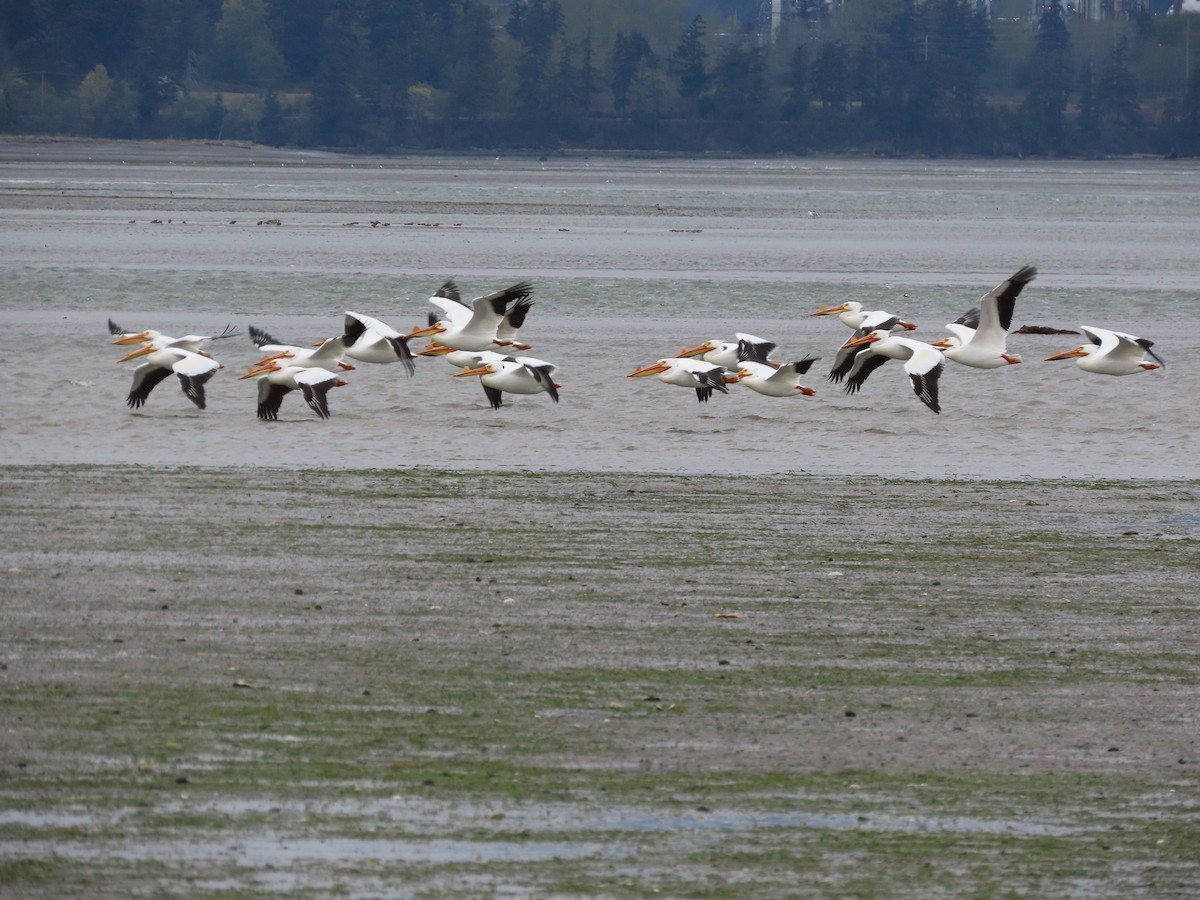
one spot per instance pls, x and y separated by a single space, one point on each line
338 114
1187 130
1052 34
587 74
473 74
536 25
961 43
629 51
570 91
244 51
1043 122
739 82
795 86
172 37
272 129
1117 101
893 77
831 76
688 63
300 25
1089 112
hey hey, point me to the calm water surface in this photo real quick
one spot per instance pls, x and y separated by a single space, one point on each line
631 260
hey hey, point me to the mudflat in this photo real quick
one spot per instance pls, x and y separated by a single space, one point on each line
439 684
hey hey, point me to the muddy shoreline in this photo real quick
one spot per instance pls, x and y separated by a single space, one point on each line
434 683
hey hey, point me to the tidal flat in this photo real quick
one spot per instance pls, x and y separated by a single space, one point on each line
426 683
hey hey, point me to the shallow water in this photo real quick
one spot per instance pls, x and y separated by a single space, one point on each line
631 260
526 833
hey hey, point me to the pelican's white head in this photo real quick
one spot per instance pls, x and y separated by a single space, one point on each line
850 306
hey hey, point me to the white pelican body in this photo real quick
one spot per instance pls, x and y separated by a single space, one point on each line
372 341
1112 353
465 359
922 362
690 373
769 381
979 337
875 320
519 375
193 342
278 381
853 316
474 326
326 354
730 353
194 371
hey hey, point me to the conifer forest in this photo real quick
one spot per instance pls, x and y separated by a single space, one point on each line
1088 78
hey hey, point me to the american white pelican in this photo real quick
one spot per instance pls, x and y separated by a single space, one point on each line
475 359
690 373
372 341
514 375
1112 353
193 342
878 320
770 381
278 381
961 330
324 354
853 316
471 326
979 336
922 362
730 353
194 371
463 359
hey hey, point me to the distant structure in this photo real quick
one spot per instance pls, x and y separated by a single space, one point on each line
1100 10
772 14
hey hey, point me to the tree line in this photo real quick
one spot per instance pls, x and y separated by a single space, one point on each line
881 76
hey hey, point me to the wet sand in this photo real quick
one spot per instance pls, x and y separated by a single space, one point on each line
427 683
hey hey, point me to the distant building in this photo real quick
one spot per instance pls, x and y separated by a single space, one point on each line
1109 9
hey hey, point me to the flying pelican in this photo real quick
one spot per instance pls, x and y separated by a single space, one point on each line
853 316
979 336
922 362
776 382
471 359
506 332
729 353
369 340
463 359
471 326
323 354
193 342
514 375
1112 353
961 330
847 352
690 373
194 371
278 381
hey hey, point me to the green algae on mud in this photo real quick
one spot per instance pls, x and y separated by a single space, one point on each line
596 684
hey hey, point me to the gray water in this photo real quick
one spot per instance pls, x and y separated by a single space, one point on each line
631 260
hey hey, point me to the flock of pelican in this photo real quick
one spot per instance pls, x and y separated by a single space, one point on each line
977 339
479 338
